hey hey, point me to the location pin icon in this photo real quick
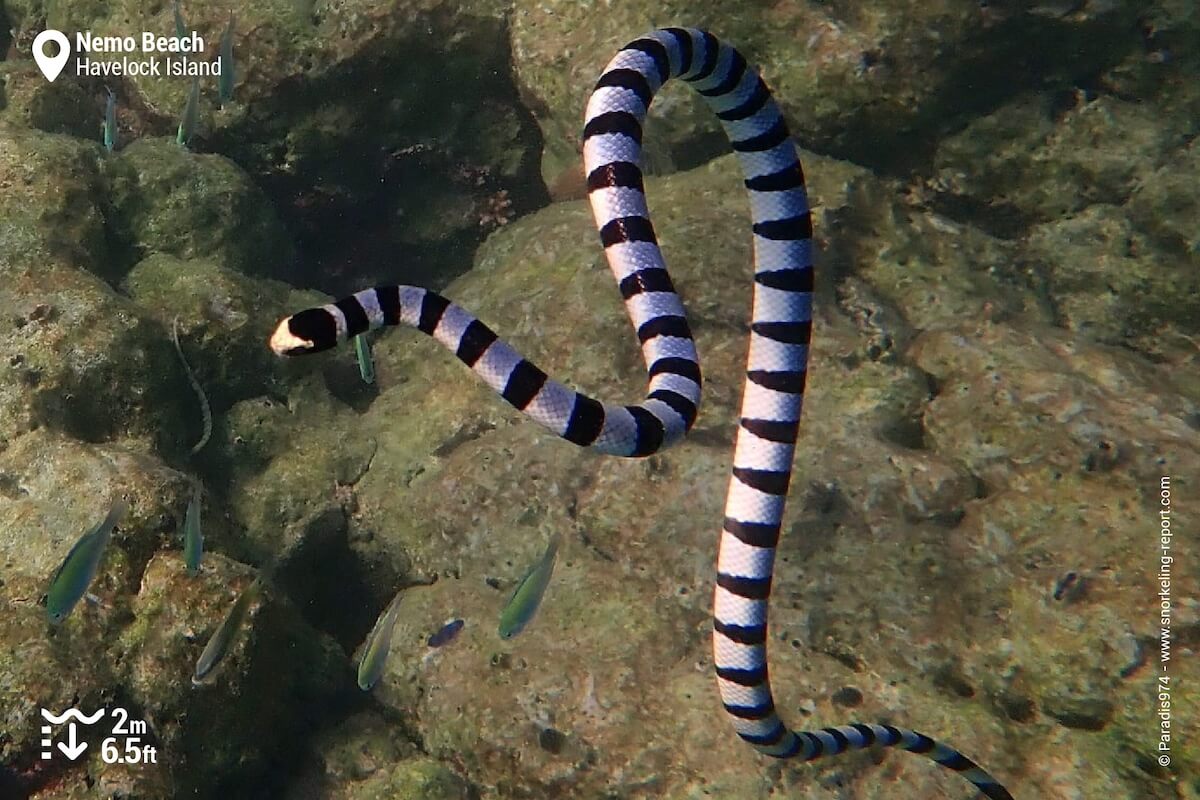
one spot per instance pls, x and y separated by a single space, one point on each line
51 65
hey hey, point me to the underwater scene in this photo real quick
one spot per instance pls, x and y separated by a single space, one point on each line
431 399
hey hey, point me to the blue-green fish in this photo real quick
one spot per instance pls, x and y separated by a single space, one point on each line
187 124
193 539
109 127
227 76
362 351
528 595
375 651
72 579
180 29
223 636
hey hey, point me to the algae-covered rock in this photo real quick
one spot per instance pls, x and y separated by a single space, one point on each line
926 269
97 780
358 747
867 84
167 199
1045 165
289 459
1072 440
81 359
1092 180
53 490
369 758
28 100
1166 202
278 677
403 116
76 356
52 201
415 779
224 319
1115 284
290 488
1049 399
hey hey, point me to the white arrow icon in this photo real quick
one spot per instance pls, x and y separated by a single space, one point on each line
51 65
72 748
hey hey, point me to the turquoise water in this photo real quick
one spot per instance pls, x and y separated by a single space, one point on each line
991 512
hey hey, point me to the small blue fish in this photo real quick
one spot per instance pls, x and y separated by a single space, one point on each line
447 634
71 581
526 598
187 124
180 28
193 539
366 365
109 126
227 77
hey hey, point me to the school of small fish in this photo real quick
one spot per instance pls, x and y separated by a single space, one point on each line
71 580
190 116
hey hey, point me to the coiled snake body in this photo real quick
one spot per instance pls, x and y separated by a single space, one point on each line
775 373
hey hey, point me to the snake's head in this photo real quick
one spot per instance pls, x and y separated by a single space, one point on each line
310 331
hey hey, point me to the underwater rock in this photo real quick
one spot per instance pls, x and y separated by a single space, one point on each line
28 100
74 355
1025 410
368 758
257 706
224 318
288 460
875 86
54 489
1112 283
1017 402
898 262
1167 201
167 199
78 358
1045 165
101 781
413 779
357 747
51 206
1093 182
292 474
403 116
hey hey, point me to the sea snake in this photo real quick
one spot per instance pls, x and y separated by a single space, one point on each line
775 372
